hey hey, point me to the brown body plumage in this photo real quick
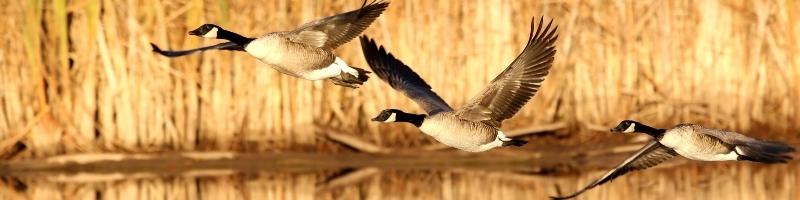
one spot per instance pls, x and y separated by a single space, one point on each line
278 50
451 130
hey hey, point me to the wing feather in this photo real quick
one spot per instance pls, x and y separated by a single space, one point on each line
648 156
342 28
401 77
518 83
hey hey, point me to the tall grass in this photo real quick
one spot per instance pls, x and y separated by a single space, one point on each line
78 76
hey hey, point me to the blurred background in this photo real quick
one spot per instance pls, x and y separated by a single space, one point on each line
80 84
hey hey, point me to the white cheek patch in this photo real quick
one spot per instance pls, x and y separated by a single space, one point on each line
629 129
392 118
212 33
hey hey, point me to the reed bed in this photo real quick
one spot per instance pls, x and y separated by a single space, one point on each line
79 76
693 181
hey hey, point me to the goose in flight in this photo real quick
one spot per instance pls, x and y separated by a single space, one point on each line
305 52
693 142
474 127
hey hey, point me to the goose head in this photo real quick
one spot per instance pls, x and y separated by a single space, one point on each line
626 126
395 115
206 31
388 115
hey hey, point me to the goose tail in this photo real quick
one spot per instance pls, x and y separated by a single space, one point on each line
362 76
351 80
765 152
514 142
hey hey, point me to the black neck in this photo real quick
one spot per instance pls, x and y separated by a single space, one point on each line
410 118
655 132
234 37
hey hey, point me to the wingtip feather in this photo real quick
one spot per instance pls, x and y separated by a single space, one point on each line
155 48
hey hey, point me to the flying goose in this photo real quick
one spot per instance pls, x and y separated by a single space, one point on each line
474 127
306 52
693 142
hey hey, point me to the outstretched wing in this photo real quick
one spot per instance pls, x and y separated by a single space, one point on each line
339 29
223 46
763 151
401 77
729 137
518 83
650 155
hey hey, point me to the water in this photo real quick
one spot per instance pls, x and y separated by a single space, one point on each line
675 180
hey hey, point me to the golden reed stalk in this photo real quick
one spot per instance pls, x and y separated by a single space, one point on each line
79 76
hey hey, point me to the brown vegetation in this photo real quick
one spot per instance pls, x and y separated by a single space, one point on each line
79 76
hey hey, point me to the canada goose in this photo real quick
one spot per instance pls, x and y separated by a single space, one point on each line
306 52
474 127
693 142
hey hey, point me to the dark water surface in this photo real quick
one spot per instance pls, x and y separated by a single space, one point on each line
674 180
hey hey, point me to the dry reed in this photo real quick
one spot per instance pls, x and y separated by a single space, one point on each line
78 76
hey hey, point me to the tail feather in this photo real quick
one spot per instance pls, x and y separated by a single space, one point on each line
362 75
765 152
775 147
351 81
514 142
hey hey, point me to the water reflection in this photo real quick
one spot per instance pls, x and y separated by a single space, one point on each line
690 181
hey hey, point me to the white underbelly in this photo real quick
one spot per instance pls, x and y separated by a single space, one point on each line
446 138
329 71
468 147
324 73
696 149
704 156
451 137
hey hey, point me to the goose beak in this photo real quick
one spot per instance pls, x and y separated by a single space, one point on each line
617 130
195 32
375 119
